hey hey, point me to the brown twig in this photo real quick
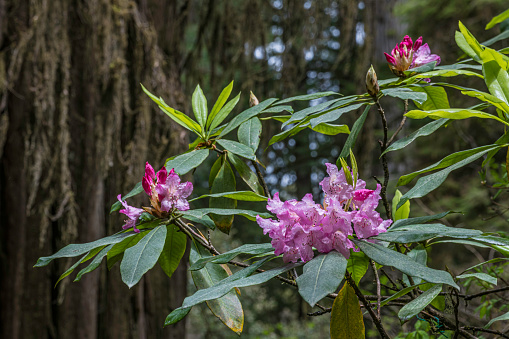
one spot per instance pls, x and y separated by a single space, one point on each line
383 147
480 329
401 124
260 177
378 289
480 294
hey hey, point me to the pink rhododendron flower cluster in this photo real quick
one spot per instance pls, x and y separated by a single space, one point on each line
347 211
166 193
408 55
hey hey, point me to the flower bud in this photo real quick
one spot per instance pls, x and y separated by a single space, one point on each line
253 100
372 82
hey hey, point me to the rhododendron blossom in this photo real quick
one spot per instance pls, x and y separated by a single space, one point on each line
132 213
347 211
408 55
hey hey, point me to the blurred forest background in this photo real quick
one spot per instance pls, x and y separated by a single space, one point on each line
76 130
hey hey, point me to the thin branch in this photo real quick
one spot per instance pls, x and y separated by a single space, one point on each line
378 289
472 296
366 304
401 124
260 177
383 147
480 329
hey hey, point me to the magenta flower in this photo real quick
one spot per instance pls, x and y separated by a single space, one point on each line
151 179
132 213
408 55
173 194
304 224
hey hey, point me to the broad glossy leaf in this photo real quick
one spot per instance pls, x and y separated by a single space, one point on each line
246 115
421 232
227 308
357 265
223 113
398 294
71 269
176 315
278 109
143 256
498 19
459 241
465 47
481 276
199 103
249 133
215 169
442 73
387 257
421 69
334 115
404 211
117 251
420 255
430 182
495 69
222 288
350 141
436 97
502 317
74 250
204 220
251 215
492 240
137 189
95 263
245 173
413 308
453 114
252 249
421 132
405 94
419 220
224 182
300 115
491 261
486 97
346 317
173 250
470 39
237 148
288 132
187 161
238 195
179 117
330 129
307 97
322 275
225 94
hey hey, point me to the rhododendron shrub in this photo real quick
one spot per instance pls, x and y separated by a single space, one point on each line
323 245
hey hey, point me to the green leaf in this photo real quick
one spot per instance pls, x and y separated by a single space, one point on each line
300 115
420 255
502 317
176 315
421 69
224 182
288 132
465 47
173 250
187 161
437 97
481 276
413 308
238 195
307 97
405 94
224 112
350 141
421 132
225 94
220 289
245 173
357 265
245 116
418 220
454 114
74 250
237 148
421 232
200 106
447 73
495 69
137 189
200 212
143 256
404 211
330 129
117 251
227 308
398 294
278 109
498 103
387 257
486 262
95 263
252 249
249 133
215 169
322 275
498 19
71 269
179 117
428 183
204 220
334 115
470 39
346 317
